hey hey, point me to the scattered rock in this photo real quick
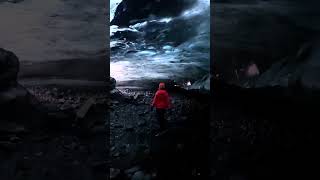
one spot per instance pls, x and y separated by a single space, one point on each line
203 85
75 162
114 102
184 118
12 128
62 100
132 170
81 113
142 113
142 123
99 164
118 126
114 173
15 139
139 175
180 147
41 138
47 93
114 91
99 129
113 83
113 148
9 146
67 106
54 92
39 154
136 96
129 128
71 146
102 101
154 174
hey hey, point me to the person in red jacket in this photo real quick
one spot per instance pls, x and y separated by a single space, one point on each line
161 102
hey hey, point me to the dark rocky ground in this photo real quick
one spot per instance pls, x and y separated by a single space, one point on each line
263 133
258 133
136 153
61 143
254 133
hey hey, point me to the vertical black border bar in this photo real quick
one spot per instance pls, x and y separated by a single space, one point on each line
212 78
107 70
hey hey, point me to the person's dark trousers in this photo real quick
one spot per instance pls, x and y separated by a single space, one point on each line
161 119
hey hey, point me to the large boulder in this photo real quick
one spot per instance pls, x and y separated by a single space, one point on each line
299 70
202 84
9 68
112 83
17 105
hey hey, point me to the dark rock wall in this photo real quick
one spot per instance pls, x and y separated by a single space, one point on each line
261 31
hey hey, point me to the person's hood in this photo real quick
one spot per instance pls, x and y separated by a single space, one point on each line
161 86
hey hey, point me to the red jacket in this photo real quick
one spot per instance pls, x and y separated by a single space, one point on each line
161 100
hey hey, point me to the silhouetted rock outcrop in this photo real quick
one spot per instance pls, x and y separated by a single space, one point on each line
135 10
9 68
